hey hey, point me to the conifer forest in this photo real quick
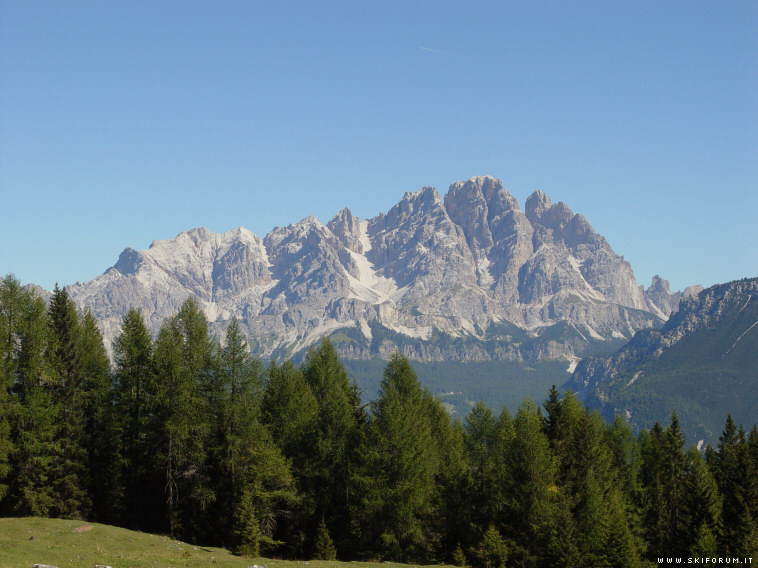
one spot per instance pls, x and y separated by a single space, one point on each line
188 435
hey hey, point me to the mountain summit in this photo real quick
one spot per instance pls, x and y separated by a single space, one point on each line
467 277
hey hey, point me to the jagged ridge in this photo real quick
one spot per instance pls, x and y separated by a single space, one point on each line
427 268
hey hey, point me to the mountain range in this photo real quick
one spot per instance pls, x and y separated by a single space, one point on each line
703 363
467 277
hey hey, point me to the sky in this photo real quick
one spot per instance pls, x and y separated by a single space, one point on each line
124 122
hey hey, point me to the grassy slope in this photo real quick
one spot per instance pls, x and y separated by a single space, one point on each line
63 543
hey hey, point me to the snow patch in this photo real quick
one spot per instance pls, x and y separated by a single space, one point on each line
318 332
363 236
592 293
211 311
369 286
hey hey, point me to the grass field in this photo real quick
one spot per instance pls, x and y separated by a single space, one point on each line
75 544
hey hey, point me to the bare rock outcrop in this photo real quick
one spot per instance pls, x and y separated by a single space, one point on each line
456 267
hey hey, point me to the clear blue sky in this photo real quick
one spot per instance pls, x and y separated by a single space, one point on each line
122 122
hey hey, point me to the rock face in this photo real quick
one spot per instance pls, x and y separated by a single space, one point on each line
462 268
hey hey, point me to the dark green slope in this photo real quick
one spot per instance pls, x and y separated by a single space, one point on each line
703 364
460 385
502 368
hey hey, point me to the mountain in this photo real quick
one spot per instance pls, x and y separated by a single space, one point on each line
471 277
703 363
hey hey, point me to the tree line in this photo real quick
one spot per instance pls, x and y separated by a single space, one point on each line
189 436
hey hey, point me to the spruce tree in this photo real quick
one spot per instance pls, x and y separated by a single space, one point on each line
736 480
483 491
70 478
493 550
702 506
38 424
100 441
247 530
133 358
323 545
12 299
530 485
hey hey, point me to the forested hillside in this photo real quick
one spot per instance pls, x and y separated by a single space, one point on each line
703 362
190 436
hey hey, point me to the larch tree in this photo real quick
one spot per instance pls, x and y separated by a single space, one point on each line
254 480
184 363
401 459
332 464
289 411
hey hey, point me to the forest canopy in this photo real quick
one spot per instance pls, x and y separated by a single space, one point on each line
189 435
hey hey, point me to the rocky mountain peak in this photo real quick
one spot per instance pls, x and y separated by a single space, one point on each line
415 203
346 227
456 267
536 204
467 206
128 262
196 235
